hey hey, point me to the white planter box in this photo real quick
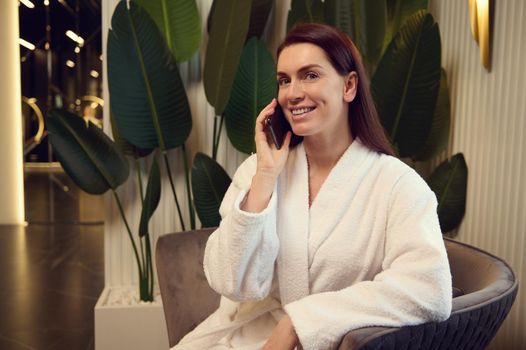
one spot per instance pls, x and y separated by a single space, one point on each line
130 327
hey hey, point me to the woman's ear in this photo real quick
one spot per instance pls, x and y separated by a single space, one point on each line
350 87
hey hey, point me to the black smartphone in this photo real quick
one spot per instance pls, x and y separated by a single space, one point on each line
277 126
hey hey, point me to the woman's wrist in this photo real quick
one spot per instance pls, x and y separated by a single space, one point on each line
259 194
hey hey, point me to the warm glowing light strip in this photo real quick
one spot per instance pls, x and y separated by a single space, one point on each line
480 28
76 38
28 3
26 44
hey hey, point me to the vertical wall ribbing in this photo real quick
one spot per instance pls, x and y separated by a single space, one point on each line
489 109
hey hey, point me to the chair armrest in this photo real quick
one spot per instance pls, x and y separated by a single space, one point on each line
357 338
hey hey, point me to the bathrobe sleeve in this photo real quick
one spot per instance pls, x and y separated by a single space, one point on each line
240 255
413 287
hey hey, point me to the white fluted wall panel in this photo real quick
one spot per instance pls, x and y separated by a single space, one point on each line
489 111
120 266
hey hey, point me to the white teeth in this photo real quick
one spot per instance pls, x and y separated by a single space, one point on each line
302 110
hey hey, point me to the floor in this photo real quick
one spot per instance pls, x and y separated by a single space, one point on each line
52 271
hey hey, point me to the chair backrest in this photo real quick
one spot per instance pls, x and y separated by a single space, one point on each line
489 289
187 297
479 275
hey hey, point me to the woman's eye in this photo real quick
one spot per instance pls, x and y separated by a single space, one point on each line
283 81
311 76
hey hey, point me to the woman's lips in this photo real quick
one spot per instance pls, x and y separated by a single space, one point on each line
301 113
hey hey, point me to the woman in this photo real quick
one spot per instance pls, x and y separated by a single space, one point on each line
328 235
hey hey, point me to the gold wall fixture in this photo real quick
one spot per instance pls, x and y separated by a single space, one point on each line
32 103
479 13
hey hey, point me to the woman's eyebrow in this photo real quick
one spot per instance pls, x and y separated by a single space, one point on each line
302 69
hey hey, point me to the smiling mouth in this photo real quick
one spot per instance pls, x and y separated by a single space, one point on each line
299 111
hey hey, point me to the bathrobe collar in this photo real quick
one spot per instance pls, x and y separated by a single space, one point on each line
302 231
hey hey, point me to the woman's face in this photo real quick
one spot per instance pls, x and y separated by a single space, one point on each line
313 95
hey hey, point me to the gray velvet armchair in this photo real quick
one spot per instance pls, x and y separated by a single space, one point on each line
485 289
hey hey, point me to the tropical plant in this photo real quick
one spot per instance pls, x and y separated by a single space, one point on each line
150 114
96 165
149 108
239 80
147 96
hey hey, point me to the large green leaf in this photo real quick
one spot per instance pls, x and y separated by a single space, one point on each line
305 11
179 22
371 21
230 21
209 184
341 14
254 87
210 15
147 95
406 82
124 146
398 11
259 14
439 134
449 181
364 21
87 155
151 200
258 17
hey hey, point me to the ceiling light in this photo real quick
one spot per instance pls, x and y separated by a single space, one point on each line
77 49
46 2
26 44
28 3
70 63
76 38
94 74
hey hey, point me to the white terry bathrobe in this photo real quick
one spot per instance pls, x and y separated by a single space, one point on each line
368 252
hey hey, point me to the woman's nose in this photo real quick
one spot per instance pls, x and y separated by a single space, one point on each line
295 90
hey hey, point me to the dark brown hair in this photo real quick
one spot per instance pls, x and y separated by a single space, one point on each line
345 58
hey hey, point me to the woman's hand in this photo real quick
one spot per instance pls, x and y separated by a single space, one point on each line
270 163
270 160
283 336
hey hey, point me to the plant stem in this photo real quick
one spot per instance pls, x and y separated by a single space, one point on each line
214 136
150 265
218 136
129 233
143 289
139 180
189 194
173 189
220 129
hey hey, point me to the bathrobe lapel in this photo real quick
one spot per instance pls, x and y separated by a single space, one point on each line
302 231
339 188
293 228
